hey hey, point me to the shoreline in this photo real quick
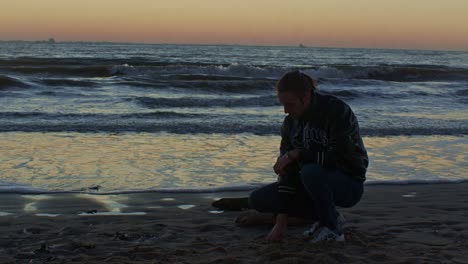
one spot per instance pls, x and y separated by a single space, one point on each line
236 188
417 223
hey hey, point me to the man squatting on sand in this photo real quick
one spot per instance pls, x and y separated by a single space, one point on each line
322 162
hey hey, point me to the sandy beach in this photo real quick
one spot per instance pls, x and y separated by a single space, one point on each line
424 223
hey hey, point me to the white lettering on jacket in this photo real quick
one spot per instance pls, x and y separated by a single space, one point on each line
313 135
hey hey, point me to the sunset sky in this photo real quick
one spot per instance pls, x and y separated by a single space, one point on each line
418 24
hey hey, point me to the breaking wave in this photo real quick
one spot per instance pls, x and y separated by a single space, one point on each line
68 82
9 82
191 123
262 101
190 71
76 71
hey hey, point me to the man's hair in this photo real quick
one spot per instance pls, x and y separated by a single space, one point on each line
297 83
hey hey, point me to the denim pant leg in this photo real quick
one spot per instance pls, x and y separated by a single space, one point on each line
329 188
266 200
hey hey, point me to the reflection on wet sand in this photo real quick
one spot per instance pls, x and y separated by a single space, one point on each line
73 161
418 158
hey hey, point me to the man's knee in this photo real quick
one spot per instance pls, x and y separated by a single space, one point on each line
264 199
253 199
313 175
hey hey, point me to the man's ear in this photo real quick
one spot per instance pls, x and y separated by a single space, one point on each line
306 98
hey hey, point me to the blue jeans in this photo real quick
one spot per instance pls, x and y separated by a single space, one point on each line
320 191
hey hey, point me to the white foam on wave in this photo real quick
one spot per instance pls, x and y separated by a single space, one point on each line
111 213
271 71
326 72
185 206
409 195
47 215
235 69
5 214
123 69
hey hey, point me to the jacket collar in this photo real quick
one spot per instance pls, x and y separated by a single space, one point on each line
313 110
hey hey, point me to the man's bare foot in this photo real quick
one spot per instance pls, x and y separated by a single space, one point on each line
232 204
252 218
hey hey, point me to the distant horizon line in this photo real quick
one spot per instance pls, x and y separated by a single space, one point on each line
299 45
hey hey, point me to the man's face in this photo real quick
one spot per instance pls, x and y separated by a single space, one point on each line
294 105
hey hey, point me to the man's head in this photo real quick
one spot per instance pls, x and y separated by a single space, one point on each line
295 90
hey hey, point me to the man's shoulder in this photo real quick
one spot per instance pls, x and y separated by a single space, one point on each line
332 103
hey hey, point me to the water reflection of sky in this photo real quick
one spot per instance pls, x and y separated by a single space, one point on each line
73 161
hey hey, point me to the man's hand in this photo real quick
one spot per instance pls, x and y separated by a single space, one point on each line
279 230
281 164
283 161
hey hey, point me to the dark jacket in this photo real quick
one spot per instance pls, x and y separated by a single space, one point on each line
327 135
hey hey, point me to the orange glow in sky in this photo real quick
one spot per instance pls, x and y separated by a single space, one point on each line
418 24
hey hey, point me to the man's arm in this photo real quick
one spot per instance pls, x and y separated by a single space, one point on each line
285 169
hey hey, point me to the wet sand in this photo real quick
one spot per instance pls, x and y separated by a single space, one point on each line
424 223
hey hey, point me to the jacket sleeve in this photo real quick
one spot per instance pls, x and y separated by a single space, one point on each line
286 144
287 184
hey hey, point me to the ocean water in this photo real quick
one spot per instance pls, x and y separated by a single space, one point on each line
109 117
